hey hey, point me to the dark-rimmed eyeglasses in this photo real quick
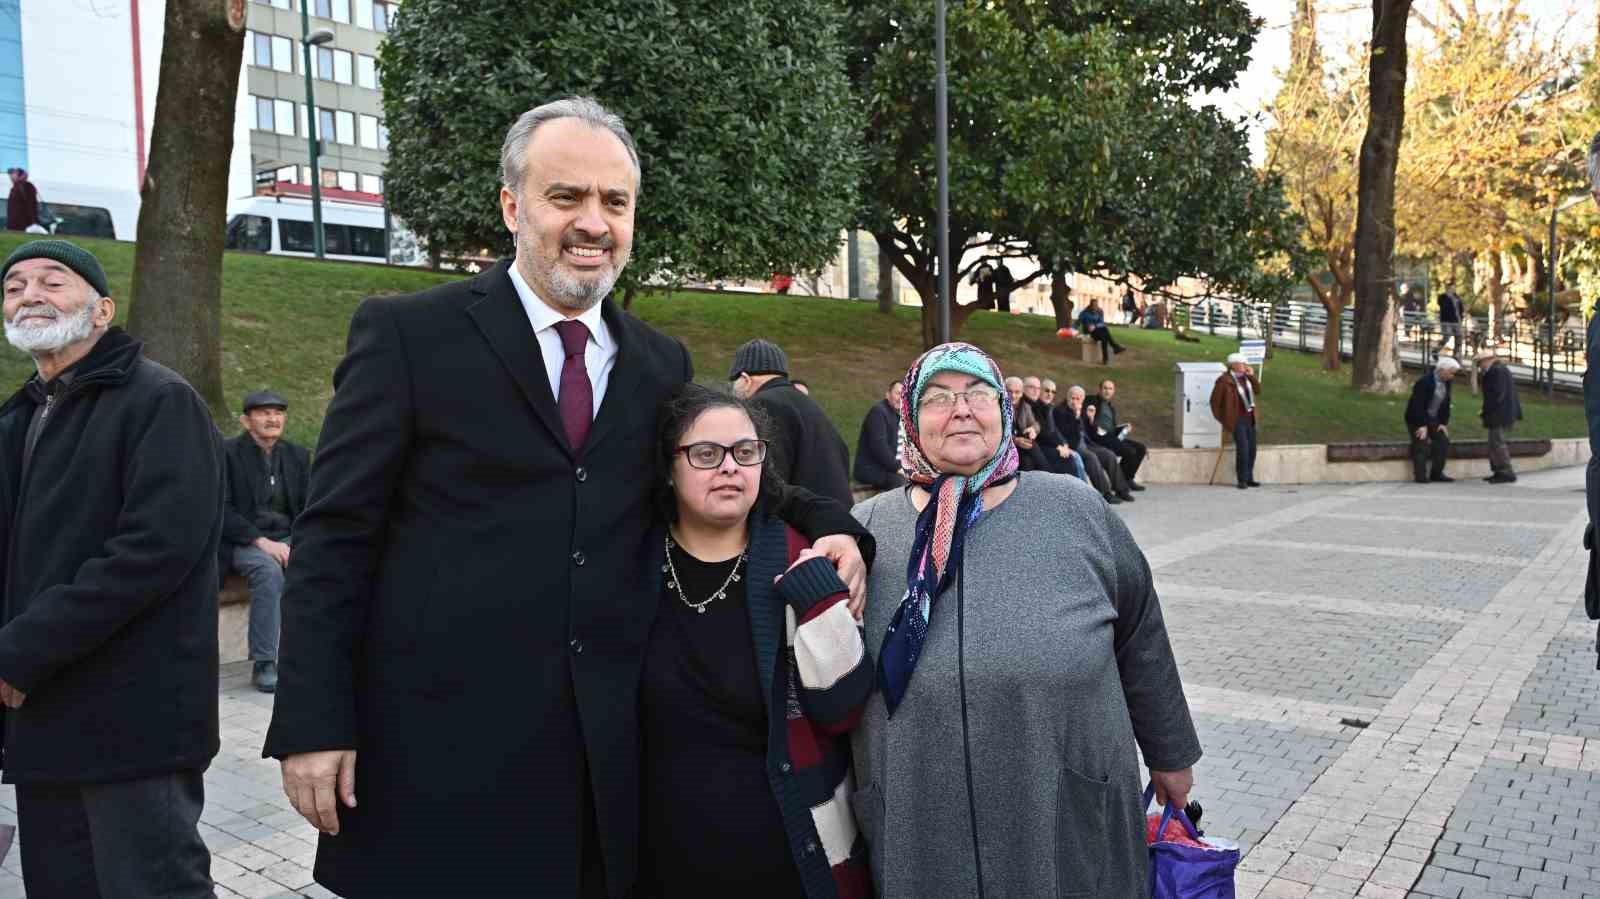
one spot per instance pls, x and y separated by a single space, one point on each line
706 454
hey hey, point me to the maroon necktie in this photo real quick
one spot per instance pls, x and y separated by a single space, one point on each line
576 399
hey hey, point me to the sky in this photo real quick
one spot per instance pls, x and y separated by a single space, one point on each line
1343 23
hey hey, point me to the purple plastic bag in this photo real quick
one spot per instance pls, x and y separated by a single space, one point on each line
1188 872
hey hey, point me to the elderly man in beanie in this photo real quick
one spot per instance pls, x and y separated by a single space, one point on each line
810 454
1233 402
1428 418
266 490
111 496
1502 409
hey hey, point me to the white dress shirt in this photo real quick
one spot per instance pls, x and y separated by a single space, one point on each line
599 356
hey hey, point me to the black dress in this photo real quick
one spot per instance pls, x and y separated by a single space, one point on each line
710 824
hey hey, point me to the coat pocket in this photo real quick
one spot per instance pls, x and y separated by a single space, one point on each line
867 806
1081 829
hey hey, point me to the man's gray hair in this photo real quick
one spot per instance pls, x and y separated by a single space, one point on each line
1594 165
1077 388
1447 363
514 152
1047 384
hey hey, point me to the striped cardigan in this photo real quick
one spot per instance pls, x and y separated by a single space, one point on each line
816 676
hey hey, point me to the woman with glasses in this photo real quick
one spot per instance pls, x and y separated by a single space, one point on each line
754 674
1021 674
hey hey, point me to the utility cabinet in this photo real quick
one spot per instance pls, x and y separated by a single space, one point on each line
1193 423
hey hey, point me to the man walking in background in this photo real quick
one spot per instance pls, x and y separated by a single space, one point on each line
1452 314
1233 402
1502 409
1428 418
811 453
268 478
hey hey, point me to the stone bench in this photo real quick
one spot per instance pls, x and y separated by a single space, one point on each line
1082 349
233 619
1464 449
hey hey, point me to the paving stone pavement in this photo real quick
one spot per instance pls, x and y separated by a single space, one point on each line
1446 620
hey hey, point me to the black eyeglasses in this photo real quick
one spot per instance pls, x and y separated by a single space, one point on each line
710 455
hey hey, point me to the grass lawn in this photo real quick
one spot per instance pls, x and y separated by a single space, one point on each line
285 319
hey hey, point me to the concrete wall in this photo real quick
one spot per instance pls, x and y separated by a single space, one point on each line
1308 464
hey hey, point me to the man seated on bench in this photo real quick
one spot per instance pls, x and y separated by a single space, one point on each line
264 491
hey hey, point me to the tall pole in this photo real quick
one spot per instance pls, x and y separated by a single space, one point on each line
311 133
1550 285
941 130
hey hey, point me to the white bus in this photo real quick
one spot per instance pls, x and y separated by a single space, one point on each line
282 226
77 210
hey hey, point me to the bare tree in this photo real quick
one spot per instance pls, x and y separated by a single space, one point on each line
1376 367
176 304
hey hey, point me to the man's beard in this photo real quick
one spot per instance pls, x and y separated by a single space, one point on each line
66 329
560 286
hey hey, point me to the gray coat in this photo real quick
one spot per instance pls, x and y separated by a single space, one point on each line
1067 667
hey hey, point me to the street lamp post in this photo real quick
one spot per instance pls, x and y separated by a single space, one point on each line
309 39
941 128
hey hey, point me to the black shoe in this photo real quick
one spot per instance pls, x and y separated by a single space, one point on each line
1442 478
264 675
1420 480
1501 478
1241 485
1125 497
1252 483
1133 486
1113 500
1117 349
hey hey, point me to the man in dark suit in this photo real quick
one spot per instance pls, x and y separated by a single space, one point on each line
878 447
1428 419
479 563
1451 314
265 490
810 453
1104 424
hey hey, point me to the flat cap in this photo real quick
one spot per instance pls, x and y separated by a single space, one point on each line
263 398
759 357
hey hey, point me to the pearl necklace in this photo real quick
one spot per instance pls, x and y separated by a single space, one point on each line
676 583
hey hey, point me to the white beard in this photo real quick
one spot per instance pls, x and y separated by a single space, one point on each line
65 330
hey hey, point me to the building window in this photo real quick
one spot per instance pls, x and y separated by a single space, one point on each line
341 66
283 117
261 49
363 13
345 124
383 15
330 179
371 184
322 8
305 175
341 11
263 113
324 125
282 54
304 131
347 181
287 173
369 132
383 136
276 4
324 63
367 72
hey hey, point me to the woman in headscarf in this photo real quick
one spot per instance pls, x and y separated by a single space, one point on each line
1020 675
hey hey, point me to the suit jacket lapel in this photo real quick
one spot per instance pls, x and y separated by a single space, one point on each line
625 373
498 313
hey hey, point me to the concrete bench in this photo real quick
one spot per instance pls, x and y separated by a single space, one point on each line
233 619
1082 349
1464 449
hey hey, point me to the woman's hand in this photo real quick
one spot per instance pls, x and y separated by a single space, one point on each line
1172 787
841 550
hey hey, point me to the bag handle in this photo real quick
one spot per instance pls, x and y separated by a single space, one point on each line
1168 813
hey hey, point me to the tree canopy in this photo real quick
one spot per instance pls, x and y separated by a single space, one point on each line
1073 140
743 116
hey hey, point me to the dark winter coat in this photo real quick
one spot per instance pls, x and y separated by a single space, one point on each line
811 452
1421 396
110 573
470 597
22 206
877 449
1450 307
1501 406
245 468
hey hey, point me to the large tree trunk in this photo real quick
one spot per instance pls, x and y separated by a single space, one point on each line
1061 300
1495 282
1376 367
176 303
886 300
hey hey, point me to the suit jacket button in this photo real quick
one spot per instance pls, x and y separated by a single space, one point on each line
785 767
811 847
582 474
578 558
577 646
